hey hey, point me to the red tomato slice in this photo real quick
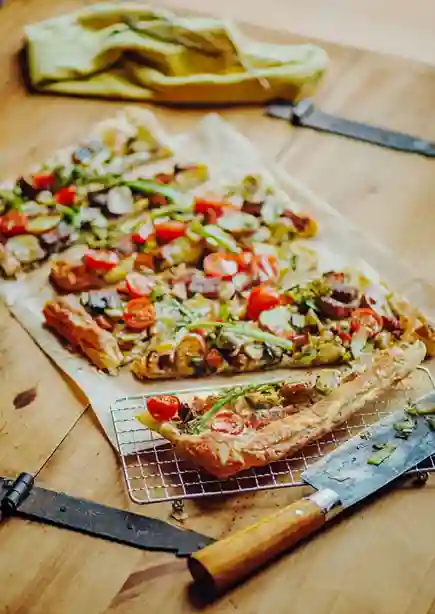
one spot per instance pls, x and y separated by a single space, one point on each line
267 264
101 260
220 265
66 196
163 407
214 359
168 231
244 260
260 299
227 422
13 223
43 181
205 206
367 318
139 314
139 285
143 233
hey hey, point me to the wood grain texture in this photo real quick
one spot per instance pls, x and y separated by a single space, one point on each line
380 560
228 561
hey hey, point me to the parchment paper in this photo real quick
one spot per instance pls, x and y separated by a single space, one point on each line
230 156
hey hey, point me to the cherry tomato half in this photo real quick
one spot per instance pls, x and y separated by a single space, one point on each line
43 181
260 299
227 422
204 206
255 265
170 230
66 196
267 265
101 260
139 285
13 223
139 314
368 319
143 233
220 265
163 407
214 359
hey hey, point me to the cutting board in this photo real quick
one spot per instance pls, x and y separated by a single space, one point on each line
379 561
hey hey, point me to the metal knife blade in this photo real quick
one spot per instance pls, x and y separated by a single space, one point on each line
347 470
305 114
102 521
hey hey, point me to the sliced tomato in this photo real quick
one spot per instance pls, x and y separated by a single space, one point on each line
170 230
227 422
139 285
220 265
268 265
368 319
101 260
214 359
164 178
146 260
104 323
261 298
204 206
139 314
300 340
345 337
143 233
244 260
13 223
164 407
66 196
43 181
255 265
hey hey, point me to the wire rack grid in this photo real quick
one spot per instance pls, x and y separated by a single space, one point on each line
154 472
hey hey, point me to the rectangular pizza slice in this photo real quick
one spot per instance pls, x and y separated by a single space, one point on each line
257 424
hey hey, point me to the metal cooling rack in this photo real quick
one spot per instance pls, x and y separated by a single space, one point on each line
154 472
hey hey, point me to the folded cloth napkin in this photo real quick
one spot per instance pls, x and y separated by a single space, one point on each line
128 50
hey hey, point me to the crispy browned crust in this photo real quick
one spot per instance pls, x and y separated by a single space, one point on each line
73 323
73 277
224 455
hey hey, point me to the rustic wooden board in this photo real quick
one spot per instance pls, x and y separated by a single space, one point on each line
378 561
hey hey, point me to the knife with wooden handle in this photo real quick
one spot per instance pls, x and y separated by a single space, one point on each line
349 474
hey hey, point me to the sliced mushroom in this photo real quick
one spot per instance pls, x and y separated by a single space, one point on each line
43 224
120 201
25 248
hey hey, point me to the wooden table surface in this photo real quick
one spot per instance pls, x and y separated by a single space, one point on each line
378 561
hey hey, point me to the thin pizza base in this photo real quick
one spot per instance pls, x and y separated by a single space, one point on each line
224 455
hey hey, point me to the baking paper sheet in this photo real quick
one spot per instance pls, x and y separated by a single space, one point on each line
230 157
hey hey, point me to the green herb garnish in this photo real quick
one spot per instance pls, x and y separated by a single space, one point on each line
404 428
201 423
413 410
246 331
150 187
383 452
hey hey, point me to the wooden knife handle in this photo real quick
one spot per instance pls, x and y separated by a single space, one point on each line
229 560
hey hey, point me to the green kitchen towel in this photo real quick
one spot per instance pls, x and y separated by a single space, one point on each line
128 50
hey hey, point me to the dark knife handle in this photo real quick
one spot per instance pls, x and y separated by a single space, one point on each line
318 120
